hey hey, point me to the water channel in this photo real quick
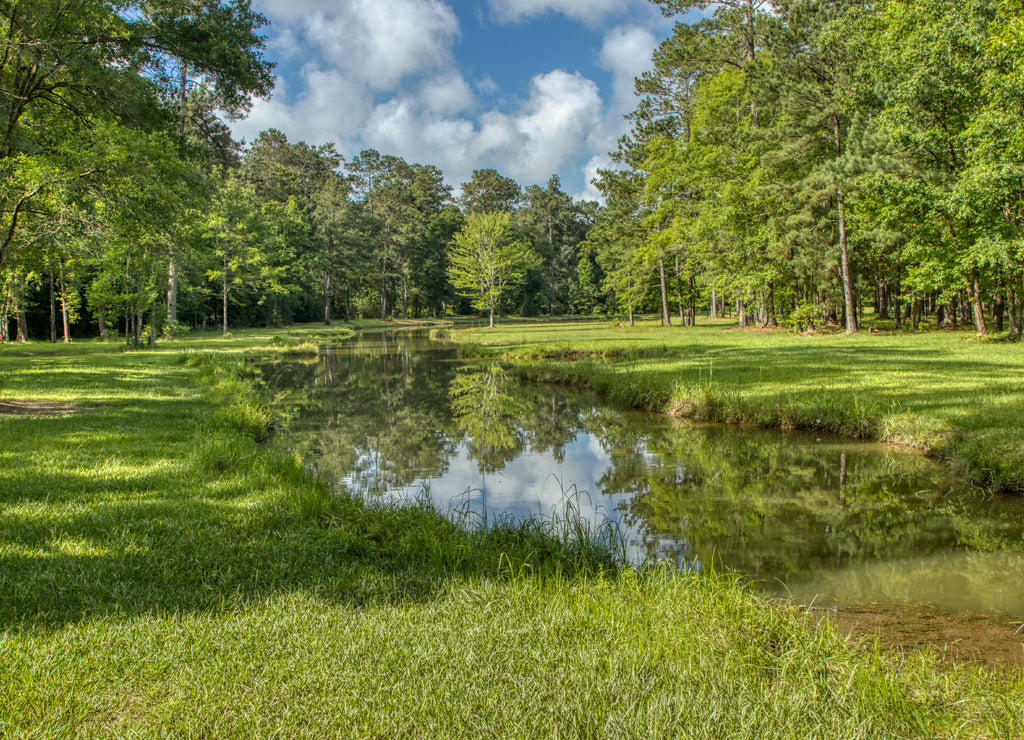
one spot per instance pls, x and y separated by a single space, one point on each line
822 519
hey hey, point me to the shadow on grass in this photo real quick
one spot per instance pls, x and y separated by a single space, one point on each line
193 556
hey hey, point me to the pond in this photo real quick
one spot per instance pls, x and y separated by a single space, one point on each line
823 519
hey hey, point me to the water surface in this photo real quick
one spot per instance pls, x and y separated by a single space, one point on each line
821 518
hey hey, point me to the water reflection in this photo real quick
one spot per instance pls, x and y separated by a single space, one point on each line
818 517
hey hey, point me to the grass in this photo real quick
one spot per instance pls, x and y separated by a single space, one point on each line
164 572
943 392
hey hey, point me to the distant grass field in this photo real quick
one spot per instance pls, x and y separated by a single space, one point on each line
164 572
944 392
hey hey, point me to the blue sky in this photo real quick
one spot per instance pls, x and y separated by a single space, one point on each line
529 87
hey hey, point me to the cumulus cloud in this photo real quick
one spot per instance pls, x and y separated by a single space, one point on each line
595 163
383 74
529 144
589 11
383 41
328 107
626 53
548 131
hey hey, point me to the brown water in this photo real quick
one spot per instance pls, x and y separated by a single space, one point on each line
823 519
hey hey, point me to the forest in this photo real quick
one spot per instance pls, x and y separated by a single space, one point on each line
799 163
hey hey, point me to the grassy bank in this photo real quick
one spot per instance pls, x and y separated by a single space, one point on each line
943 392
164 572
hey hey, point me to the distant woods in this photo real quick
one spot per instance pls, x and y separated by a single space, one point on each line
797 163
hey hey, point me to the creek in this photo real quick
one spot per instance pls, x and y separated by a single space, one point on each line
821 519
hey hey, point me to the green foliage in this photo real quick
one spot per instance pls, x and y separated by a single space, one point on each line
485 259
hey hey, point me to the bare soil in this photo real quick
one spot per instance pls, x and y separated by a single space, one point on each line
993 641
35 408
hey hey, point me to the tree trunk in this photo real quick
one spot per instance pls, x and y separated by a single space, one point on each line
64 306
979 310
172 291
714 304
4 314
53 310
152 322
327 299
679 294
1017 306
771 319
844 258
915 316
691 303
405 295
898 287
101 320
999 310
665 317
19 317
224 299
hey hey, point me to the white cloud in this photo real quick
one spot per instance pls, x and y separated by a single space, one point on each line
330 107
589 192
561 110
383 74
446 94
588 11
529 144
626 53
384 41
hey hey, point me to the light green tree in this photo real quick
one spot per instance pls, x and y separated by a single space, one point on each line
485 259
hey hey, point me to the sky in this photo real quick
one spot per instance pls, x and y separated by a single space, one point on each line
530 88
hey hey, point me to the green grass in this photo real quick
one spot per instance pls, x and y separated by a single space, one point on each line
164 572
943 392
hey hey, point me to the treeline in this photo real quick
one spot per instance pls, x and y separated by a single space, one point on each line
799 160
795 162
127 208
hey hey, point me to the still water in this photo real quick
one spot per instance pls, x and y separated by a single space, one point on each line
823 519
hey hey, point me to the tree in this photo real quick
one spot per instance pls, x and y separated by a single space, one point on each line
66 64
485 260
236 228
811 80
489 191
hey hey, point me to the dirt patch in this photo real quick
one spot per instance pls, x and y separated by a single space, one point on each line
35 408
992 641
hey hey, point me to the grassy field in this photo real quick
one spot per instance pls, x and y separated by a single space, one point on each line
944 392
165 572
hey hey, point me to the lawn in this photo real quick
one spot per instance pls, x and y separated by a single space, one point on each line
166 571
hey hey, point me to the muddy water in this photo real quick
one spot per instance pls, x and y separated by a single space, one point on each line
822 519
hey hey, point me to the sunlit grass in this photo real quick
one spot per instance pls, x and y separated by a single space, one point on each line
940 391
164 572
